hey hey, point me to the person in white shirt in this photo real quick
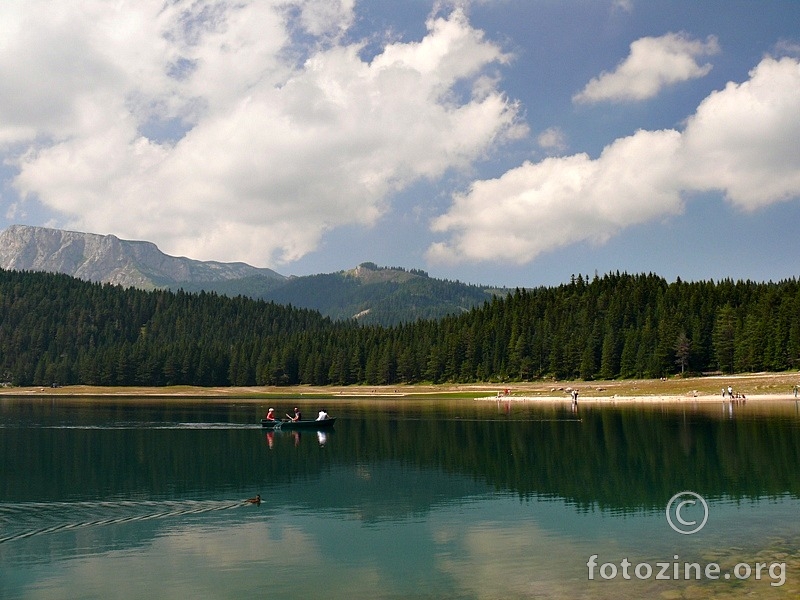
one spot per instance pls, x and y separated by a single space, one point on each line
322 415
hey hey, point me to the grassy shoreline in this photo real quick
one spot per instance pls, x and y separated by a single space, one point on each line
755 385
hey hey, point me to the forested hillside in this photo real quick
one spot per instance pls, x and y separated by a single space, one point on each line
371 294
384 296
54 328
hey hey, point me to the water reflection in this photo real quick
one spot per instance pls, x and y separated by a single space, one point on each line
622 458
318 437
402 499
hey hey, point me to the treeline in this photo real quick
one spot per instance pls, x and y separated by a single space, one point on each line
57 329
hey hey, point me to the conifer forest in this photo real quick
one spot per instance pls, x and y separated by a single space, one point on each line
55 329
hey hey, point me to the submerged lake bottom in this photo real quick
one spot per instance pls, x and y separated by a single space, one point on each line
402 499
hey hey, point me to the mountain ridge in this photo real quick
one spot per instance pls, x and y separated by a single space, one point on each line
109 259
367 293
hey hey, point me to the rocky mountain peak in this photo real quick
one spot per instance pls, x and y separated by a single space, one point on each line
108 259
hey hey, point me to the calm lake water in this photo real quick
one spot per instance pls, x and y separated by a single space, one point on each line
403 499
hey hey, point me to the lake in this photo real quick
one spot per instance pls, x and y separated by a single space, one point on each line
404 499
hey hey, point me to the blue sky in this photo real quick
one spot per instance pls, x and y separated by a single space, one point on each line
502 142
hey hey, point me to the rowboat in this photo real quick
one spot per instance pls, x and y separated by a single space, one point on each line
311 425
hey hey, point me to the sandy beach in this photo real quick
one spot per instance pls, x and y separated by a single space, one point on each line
754 387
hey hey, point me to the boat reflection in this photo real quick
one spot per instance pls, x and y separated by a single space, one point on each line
273 436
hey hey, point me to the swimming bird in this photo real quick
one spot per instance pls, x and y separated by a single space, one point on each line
256 500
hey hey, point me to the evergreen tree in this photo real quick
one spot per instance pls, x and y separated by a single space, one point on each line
725 338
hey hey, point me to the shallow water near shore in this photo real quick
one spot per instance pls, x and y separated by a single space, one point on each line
438 498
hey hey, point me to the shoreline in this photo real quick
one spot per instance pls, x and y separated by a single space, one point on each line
755 387
611 400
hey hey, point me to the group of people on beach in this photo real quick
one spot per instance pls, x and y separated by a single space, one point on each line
298 416
731 395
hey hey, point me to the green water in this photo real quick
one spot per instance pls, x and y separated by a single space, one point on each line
403 499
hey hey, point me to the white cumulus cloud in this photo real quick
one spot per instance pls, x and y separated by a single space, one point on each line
259 156
552 139
560 201
743 140
653 64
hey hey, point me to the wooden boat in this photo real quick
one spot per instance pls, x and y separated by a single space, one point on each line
310 425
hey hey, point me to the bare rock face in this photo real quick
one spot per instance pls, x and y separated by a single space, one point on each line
108 259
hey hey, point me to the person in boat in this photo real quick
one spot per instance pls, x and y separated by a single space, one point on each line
270 415
297 415
322 416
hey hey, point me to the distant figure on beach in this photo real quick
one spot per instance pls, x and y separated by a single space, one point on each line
730 392
795 391
574 396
